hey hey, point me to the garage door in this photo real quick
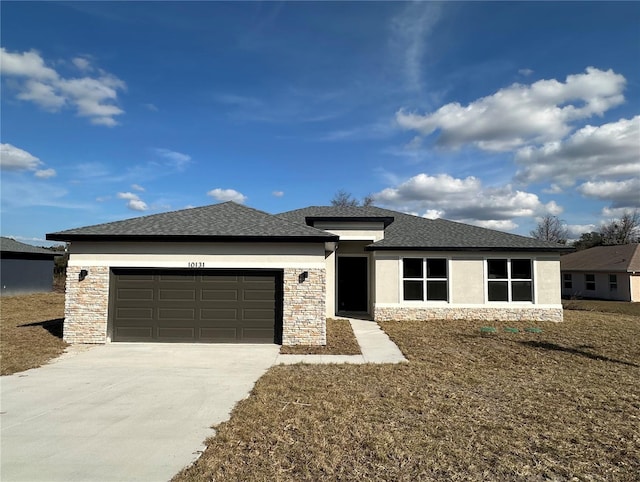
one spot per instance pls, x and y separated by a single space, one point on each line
195 306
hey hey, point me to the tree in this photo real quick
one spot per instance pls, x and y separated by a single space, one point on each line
551 228
622 231
343 198
588 240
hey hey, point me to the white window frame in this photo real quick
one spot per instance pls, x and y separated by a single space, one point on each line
586 282
567 278
509 280
425 279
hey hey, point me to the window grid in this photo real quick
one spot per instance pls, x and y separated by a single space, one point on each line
590 282
568 281
613 282
509 279
425 278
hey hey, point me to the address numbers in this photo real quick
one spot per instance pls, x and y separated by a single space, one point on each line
195 264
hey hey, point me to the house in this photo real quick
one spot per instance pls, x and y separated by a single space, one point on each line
25 268
230 273
604 272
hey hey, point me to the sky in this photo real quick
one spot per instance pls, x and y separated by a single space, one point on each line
489 113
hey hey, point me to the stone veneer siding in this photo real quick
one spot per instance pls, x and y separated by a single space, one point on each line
304 321
481 314
86 305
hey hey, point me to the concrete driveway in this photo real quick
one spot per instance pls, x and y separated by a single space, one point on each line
122 412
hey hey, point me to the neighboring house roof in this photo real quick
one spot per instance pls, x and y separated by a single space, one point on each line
9 246
624 257
218 222
417 233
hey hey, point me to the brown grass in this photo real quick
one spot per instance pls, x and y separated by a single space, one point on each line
31 331
340 341
622 307
563 404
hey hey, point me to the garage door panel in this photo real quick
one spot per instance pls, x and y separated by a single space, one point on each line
138 333
177 334
229 314
179 314
137 294
205 306
135 313
258 295
219 335
219 295
249 314
176 295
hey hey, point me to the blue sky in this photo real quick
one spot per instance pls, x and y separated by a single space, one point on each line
488 113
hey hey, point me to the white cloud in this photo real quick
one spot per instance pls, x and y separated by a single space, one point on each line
622 194
501 225
278 193
525 72
137 187
465 200
151 107
178 160
82 63
609 151
521 114
134 202
409 40
13 158
227 195
45 173
93 97
27 64
576 230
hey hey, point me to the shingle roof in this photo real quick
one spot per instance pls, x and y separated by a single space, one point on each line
9 245
624 257
414 232
215 222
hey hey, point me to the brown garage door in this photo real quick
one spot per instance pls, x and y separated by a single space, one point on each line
205 306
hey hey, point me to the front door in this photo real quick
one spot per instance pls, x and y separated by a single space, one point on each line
352 284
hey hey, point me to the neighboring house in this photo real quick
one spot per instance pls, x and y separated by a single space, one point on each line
230 273
604 272
25 268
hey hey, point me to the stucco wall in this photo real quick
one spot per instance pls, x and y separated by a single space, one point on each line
467 289
372 231
634 282
19 276
602 291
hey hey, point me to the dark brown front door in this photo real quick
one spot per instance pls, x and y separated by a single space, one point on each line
205 306
352 284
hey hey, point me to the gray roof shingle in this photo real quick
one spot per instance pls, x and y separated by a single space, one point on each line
414 232
619 258
218 221
9 245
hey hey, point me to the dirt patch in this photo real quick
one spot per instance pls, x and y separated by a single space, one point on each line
31 331
561 404
340 341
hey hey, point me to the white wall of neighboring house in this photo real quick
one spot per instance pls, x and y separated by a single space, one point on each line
604 289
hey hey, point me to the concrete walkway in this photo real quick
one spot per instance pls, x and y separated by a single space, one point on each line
374 343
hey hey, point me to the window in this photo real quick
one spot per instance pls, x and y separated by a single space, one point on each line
568 280
509 280
425 279
590 282
613 282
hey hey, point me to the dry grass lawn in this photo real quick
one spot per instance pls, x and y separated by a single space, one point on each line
622 307
563 404
340 341
31 331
